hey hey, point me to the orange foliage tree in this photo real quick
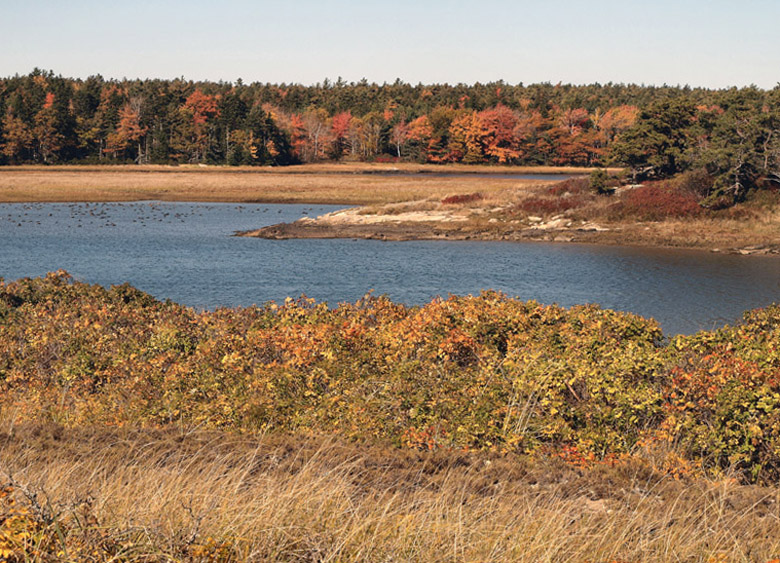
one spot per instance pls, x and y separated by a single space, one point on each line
499 126
128 132
191 131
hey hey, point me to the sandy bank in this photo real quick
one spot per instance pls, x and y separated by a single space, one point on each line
392 223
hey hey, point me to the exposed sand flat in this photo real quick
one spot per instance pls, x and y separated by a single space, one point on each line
354 216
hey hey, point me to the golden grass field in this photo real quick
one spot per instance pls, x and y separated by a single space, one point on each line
352 184
168 495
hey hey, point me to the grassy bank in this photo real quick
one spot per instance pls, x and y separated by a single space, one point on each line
128 494
352 184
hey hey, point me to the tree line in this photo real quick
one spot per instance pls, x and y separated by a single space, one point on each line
731 134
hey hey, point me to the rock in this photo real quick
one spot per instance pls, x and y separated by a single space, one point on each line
592 227
553 224
750 250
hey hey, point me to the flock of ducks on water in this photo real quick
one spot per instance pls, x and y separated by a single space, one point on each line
102 215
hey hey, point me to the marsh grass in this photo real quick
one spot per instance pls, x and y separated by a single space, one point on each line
350 184
183 494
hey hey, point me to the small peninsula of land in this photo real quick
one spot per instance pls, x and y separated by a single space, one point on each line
652 214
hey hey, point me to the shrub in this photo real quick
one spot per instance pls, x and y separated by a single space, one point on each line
598 182
763 199
697 182
572 186
385 159
462 198
468 372
478 372
723 396
549 206
727 411
656 202
32 529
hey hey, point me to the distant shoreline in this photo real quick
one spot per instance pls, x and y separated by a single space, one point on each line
396 202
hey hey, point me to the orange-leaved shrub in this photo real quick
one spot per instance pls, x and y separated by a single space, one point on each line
485 371
723 395
481 371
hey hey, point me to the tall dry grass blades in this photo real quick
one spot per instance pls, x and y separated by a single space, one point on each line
134 496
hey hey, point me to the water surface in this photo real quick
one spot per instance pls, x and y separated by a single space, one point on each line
184 251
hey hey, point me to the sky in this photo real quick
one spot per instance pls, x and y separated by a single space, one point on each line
713 43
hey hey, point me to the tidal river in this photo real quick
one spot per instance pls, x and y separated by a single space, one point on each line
184 252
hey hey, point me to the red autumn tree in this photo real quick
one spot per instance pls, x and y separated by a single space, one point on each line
339 128
528 134
298 135
419 135
202 106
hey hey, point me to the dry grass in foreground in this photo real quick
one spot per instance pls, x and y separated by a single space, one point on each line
136 495
351 184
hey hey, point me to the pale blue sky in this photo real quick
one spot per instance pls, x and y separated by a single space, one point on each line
713 43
